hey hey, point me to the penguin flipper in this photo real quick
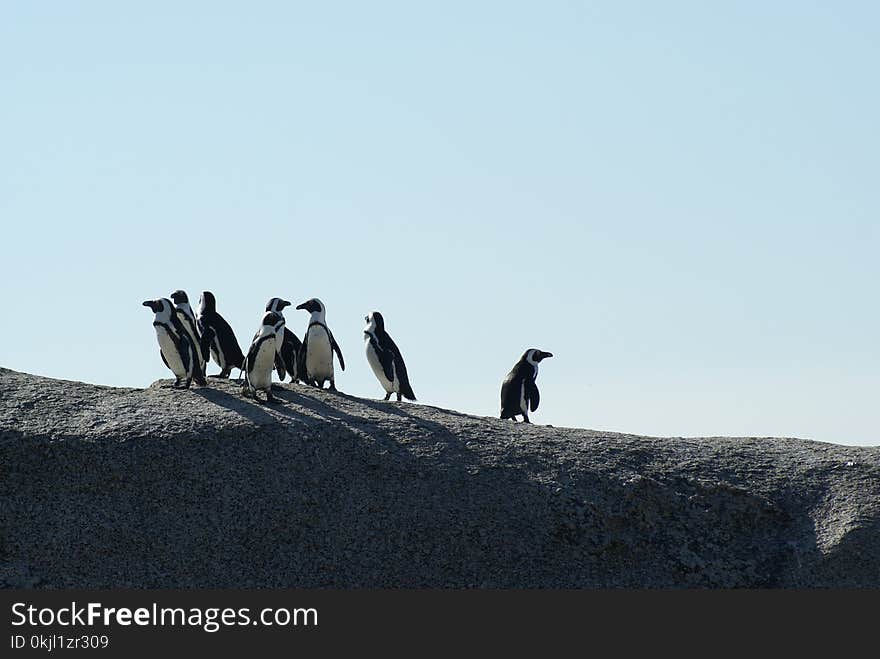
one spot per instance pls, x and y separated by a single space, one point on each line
164 361
182 344
402 375
251 358
227 338
183 347
279 367
301 370
533 394
205 340
336 349
290 356
192 329
291 339
386 359
197 376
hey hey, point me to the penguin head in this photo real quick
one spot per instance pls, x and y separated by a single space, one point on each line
375 322
534 356
276 304
271 319
312 306
160 307
179 297
273 323
207 302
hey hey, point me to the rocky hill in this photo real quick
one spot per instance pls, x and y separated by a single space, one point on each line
103 487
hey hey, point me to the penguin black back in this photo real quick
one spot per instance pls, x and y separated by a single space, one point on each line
519 391
225 349
386 359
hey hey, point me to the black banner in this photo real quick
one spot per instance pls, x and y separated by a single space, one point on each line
145 622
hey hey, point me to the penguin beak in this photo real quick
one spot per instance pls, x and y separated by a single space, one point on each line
304 305
283 303
544 355
151 304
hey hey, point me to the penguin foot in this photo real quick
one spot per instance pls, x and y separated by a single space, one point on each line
332 387
388 396
271 399
277 387
218 375
399 398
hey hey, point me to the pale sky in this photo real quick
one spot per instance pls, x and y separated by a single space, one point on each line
679 200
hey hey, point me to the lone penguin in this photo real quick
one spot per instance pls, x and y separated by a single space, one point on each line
188 320
385 358
261 357
287 359
519 392
223 344
318 346
175 347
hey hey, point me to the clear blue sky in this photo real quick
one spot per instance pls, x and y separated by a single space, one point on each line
678 199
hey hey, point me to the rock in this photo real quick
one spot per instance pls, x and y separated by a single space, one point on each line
153 488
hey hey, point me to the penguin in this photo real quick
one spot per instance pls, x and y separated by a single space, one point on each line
188 320
175 347
223 344
316 353
261 357
287 359
385 359
519 392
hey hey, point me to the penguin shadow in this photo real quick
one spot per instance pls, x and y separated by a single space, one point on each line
388 407
454 451
401 409
397 409
257 413
300 395
450 438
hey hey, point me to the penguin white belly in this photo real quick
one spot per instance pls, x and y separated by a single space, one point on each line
378 371
319 355
261 375
169 351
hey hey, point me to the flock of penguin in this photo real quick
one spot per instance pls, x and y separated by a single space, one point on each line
188 340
